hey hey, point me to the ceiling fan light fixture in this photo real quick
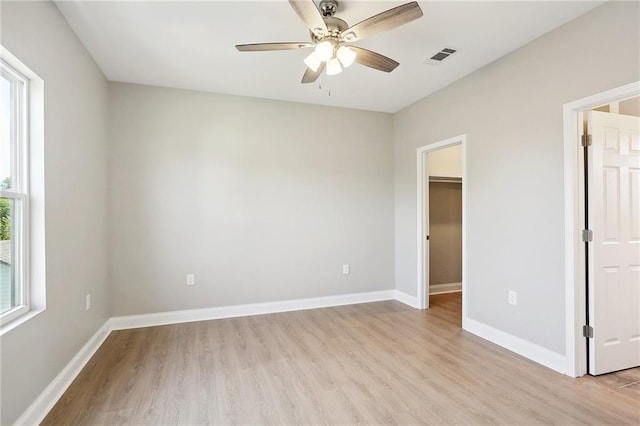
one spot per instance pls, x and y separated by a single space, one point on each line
329 33
313 62
334 67
324 50
346 56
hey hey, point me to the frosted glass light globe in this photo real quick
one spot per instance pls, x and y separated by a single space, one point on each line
346 56
324 50
313 62
333 67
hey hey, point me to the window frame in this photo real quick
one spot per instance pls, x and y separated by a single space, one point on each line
19 191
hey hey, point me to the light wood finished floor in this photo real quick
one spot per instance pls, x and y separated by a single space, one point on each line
373 363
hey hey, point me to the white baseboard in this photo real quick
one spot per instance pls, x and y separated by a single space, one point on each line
407 299
444 288
38 410
529 350
175 317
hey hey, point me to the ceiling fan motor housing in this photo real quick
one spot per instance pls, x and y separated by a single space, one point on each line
335 26
328 8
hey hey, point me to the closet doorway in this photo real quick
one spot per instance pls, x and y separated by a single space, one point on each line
441 223
445 231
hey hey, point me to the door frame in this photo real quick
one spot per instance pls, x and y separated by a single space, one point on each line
422 194
574 202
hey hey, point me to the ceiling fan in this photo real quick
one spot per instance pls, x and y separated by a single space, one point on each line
331 35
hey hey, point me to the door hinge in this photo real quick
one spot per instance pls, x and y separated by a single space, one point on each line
587 331
587 235
586 140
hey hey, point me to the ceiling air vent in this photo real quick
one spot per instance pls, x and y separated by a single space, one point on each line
440 56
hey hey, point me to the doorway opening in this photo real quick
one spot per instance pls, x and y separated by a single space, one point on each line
441 167
597 220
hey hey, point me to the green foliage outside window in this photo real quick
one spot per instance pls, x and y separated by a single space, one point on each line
5 212
5 219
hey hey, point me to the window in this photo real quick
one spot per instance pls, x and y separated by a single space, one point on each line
22 197
14 194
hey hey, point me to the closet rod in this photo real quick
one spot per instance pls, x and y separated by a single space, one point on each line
445 179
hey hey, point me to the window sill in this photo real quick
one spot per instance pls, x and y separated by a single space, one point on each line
20 320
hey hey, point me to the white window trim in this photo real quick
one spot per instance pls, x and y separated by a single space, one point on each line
28 188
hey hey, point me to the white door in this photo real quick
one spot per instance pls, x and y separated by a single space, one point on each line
614 255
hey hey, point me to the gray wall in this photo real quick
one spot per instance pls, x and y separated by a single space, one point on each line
261 200
511 111
76 183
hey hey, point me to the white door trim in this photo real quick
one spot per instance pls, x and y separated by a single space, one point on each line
421 176
574 198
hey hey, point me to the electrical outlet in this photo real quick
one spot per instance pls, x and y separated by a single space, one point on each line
191 279
87 301
513 298
345 269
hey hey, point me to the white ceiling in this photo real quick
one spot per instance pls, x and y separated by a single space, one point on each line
190 45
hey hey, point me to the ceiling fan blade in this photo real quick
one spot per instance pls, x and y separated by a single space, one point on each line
384 21
262 47
310 15
310 75
374 60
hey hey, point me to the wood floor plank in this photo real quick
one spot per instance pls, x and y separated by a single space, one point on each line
375 363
